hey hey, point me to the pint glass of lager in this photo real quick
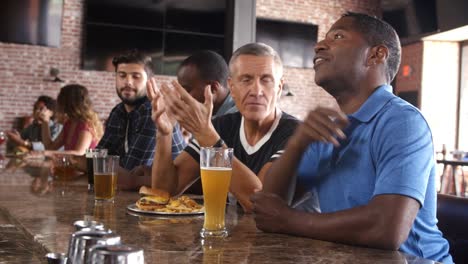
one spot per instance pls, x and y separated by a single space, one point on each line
216 170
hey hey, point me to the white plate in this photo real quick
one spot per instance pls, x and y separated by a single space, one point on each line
134 208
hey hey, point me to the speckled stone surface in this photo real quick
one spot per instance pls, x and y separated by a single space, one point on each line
40 210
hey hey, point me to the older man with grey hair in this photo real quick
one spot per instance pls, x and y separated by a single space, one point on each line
258 132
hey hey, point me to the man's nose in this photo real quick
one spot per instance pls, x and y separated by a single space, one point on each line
129 80
257 88
321 45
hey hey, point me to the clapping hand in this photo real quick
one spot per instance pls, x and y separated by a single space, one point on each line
163 120
194 116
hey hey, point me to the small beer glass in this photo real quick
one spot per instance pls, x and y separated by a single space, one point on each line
105 176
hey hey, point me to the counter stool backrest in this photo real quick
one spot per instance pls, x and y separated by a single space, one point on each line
452 213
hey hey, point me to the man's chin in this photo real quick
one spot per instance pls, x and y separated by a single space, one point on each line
132 101
257 116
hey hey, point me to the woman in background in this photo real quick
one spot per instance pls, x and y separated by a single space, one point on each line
82 128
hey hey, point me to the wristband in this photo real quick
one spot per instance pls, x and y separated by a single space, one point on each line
220 143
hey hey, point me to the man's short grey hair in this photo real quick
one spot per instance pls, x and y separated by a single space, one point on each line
257 49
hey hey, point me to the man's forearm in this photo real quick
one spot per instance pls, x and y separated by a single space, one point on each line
134 179
384 223
163 174
281 174
243 184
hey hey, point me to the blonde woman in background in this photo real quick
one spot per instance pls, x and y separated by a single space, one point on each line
82 128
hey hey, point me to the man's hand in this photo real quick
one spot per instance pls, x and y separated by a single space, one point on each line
194 116
45 115
79 162
140 171
271 213
163 121
133 179
14 136
322 124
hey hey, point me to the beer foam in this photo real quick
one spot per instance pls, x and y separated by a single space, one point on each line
216 168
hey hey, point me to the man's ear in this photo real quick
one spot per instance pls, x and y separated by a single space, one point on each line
280 86
230 85
215 87
378 55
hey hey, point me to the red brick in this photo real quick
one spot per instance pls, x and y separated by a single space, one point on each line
24 67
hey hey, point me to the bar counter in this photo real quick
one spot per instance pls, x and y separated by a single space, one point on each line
37 214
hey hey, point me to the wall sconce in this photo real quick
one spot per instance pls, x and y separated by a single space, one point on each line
287 90
54 72
406 70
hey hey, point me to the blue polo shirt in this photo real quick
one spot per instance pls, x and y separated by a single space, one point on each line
388 150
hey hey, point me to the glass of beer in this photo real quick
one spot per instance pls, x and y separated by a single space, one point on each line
216 171
63 168
90 153
105 176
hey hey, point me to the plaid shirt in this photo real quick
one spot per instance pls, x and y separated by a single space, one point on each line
141 136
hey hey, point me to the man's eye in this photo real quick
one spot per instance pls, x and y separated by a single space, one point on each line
338 36
136 76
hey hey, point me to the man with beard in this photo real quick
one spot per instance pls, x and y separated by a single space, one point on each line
130 131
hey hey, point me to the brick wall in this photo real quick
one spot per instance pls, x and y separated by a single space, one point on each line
23 68
412 56
323 13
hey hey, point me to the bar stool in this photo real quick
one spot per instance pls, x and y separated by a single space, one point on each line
453 169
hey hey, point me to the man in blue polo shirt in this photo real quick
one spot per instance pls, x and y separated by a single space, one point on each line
370 162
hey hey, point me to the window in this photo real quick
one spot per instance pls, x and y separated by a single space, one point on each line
294 42
168 31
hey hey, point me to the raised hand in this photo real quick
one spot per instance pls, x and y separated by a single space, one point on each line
194 116
14 136
163 121
45 115
323 124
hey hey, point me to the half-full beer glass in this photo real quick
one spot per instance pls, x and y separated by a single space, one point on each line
105 176
216 170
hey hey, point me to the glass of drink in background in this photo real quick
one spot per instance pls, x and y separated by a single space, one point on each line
2 158
216 171
105 176
2 137
90 153
63 168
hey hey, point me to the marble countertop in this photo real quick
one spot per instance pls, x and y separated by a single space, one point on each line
41 210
